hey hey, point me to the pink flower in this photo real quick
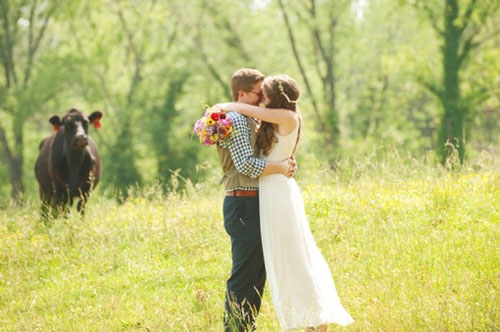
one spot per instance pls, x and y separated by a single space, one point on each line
198 126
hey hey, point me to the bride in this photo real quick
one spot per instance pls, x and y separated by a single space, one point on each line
301 285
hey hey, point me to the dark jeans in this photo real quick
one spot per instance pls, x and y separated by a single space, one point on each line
248 274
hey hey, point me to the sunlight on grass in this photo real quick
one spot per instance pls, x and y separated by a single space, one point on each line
410 250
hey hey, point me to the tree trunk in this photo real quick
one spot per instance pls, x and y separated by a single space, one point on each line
326 113
333 113
16 179
15 163
163 131
12 57
122 171
452 126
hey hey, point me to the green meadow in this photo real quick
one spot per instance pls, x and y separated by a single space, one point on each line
411 246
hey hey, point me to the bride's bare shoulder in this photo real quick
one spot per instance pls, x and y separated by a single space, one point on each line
286 129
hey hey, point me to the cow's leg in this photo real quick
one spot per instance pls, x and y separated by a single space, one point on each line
45 205
66 204
82 202
81 206
55 205
45 208
59 202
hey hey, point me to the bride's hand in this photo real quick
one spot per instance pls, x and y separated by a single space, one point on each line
229 107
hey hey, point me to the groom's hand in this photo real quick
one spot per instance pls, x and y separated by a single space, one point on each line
292 167
287 168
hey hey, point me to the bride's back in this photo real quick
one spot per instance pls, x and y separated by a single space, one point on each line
282 149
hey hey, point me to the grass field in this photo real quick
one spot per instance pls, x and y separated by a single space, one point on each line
411 248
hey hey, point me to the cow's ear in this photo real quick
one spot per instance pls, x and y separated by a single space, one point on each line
95 118
56 122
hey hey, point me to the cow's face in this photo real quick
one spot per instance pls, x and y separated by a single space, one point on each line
76 126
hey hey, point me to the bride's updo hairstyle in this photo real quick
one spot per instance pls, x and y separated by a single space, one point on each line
283 92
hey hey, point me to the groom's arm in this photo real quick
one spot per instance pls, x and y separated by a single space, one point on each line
285 167
242 153
240 149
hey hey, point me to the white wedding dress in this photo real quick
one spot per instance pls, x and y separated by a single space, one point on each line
300 281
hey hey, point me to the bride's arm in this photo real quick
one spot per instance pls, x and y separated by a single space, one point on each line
271 115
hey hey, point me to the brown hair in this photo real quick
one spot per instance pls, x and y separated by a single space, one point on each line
244 79
283 92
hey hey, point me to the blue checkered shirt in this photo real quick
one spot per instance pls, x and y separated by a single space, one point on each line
241 151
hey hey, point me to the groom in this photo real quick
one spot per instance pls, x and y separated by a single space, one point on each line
242 167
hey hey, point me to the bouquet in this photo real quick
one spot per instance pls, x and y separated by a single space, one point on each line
215 126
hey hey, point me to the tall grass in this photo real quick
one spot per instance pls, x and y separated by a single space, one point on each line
411 246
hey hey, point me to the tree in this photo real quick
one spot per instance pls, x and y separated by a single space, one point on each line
383 103
23 29
321 21
222 23
460 25
115 61
162 130
137 71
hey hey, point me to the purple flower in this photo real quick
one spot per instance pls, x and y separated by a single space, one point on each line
211 130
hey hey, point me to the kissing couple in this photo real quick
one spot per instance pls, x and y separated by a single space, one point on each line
264 212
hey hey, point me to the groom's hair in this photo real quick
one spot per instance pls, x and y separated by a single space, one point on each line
244 79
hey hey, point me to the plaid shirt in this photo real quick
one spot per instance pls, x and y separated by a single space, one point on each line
241 151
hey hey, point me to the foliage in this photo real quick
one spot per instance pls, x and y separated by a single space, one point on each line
462 26
150 67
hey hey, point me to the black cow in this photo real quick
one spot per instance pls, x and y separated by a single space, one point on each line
68 165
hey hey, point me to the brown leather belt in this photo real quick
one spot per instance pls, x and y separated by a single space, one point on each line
242 193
